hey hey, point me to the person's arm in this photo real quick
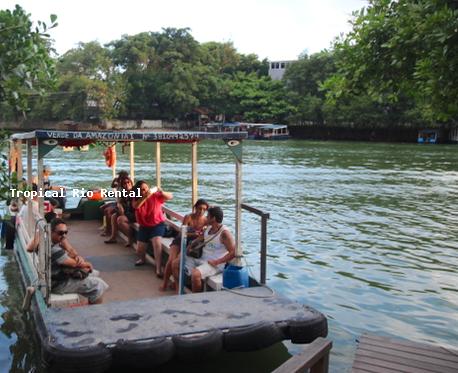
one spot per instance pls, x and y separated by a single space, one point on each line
120 208
136 204
166 195
73 254
34 242
65 244
228 241
186 221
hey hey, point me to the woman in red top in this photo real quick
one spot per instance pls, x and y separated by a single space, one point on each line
149 216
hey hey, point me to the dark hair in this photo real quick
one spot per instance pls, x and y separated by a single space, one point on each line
137 186
50 216
55 222
217 213
117 180
34 187
200 202
124 179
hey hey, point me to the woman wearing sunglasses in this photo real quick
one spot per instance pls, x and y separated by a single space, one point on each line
62 279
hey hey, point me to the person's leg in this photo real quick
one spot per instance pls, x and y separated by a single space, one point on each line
108 212
176 271
173 253
157 249
124 227
99 300
196 281
114 228
141 251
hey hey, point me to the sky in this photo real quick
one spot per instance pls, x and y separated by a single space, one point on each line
272 29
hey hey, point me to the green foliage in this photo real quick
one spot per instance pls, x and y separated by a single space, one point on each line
401 52
258 99
303 80
26 67
4 170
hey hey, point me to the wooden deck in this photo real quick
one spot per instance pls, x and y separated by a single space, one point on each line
382 355
115 263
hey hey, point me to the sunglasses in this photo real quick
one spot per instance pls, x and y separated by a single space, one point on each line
62 233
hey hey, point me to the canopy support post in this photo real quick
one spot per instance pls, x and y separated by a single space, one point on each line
238 212
158 164
194 173
113 167
40 179
18 146
132 163
30 225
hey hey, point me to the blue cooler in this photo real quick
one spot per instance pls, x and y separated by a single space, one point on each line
235 276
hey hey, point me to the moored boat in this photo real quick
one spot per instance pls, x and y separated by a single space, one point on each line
270 132
137 327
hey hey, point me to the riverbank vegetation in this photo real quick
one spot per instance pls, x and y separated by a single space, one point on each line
397 67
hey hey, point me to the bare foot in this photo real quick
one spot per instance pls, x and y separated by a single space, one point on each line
163 287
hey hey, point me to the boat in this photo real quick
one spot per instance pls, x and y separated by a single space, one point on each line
137 327
256 131
270 132
428 136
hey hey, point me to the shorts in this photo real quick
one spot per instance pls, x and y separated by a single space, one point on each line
91 287
144 234
205 269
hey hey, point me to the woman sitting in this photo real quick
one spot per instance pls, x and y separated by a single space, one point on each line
125 214
110 208
150 218
196 222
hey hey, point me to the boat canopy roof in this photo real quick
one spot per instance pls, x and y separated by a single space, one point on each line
79 138
274 126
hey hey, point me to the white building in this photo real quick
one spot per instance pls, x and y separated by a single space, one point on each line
277 69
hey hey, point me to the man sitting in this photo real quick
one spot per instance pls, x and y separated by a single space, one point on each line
219 249
62 267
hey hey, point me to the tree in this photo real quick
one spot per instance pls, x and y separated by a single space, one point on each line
258 99
303 80
26 67
402 51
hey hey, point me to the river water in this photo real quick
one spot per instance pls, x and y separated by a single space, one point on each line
367 233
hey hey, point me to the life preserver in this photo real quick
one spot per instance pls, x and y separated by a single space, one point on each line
110 156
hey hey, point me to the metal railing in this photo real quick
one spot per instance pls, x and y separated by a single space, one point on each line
263 250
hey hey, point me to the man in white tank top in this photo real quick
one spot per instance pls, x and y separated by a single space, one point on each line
219 249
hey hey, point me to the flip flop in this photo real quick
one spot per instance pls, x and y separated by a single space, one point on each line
110 241
139 263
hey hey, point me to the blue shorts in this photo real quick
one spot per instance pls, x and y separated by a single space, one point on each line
144 234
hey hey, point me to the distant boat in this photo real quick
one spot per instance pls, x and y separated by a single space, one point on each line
256 131
428 136
269 132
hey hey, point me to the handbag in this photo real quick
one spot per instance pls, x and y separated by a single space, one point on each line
76 273
196 251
